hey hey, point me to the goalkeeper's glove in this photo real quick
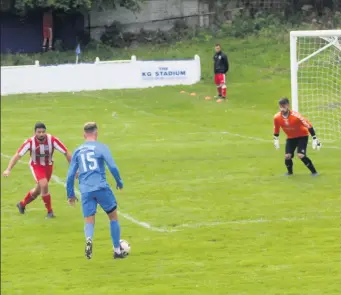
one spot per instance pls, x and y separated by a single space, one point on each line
316 143
276 142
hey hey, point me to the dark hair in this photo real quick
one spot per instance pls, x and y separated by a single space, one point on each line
90 127
39 125
217 45
283 100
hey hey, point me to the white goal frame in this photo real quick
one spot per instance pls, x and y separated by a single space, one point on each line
324 34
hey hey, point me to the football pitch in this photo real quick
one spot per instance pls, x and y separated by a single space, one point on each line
205 206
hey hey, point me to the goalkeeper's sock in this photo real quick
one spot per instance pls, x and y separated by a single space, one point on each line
309 164
89 229
289 164
115 232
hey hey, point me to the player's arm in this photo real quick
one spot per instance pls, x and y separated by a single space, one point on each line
21 152
70 180
213 64
11 164
316 143
68 156
112 167
60 147
226 63
276 133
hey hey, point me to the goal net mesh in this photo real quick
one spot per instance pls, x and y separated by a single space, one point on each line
319 84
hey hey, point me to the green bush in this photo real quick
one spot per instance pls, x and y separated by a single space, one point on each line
116 37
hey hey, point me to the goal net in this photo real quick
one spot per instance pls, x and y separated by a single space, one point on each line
315 58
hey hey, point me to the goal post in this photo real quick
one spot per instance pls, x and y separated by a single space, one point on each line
315 63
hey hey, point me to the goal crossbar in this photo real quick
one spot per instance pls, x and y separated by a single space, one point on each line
320 33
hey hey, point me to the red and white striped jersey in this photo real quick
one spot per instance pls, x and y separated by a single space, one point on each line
42 152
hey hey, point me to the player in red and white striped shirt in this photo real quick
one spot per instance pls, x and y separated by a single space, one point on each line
41 147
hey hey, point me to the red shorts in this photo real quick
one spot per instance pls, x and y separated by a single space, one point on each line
219 79
47 32
41 172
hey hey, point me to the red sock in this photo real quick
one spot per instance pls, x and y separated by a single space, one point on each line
223 91
47 202
219 90
28 199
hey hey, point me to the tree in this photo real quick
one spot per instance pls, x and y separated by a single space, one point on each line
66 5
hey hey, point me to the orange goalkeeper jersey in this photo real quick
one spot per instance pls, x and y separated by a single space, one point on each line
295 125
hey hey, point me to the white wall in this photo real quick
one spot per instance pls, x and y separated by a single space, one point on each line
100 75
150 10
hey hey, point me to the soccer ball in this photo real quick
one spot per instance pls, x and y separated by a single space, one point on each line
125 247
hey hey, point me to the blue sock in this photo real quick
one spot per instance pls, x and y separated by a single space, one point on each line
115 233
89 230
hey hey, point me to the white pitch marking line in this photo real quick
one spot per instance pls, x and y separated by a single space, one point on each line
179 121
177 228
252 221
125 215
255 141
8 210
181 227
193 124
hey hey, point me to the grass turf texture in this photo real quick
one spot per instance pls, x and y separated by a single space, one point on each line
231 223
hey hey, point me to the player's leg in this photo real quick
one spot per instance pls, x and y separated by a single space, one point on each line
45 36
30 196
107 201
217 81
50 38
46 197
115 231
290 147
43 181
223 86
302 154
89 207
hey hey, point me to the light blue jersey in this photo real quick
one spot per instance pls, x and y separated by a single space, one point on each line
89 160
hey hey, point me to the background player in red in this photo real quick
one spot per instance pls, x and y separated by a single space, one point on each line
47 29
41 147
297 129
221 67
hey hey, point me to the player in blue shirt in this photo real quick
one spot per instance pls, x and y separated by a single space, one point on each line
88 159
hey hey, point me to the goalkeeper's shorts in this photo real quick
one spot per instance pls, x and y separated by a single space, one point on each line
299 143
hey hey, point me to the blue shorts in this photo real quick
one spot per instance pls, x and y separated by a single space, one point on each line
104 197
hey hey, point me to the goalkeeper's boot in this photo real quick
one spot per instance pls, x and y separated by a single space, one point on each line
88 248
288 174
315 174
21 208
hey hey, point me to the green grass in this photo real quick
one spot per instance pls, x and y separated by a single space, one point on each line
232 224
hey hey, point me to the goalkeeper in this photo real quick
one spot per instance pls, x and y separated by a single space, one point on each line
297 129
